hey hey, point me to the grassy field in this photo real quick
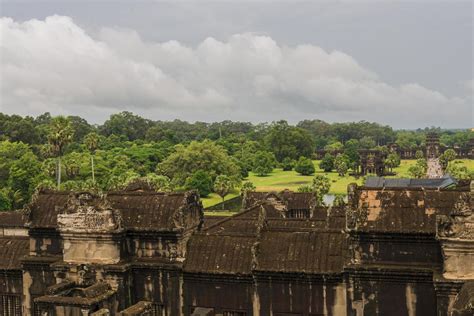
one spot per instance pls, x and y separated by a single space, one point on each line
279 180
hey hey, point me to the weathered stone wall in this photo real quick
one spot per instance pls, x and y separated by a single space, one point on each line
390 297
37 276
369 249
295 295
158 285
104 249
45 242
221 292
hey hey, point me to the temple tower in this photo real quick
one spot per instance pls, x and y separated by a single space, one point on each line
432 145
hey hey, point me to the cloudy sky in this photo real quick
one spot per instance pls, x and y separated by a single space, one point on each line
404 63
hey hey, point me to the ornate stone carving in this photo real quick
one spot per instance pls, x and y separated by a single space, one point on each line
460 223
86 212
85 275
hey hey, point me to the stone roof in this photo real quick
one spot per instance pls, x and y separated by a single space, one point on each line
11 252
220 254
400 210
259 239
79 296
211 220
155 211
313 252
381 182
13 219
140 210
293 200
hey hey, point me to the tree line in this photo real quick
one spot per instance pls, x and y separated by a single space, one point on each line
70 153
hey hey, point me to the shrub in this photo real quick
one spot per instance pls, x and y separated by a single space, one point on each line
327 163
287 164
247 187
341 163
304 166
321 186
305 189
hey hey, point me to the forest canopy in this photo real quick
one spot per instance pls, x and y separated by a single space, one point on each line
174 155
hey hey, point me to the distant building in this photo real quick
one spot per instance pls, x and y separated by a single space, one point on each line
395 249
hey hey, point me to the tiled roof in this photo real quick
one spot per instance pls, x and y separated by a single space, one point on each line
45 208
11 252
293 200
218 254
13 219
254 240
210 220
149 210
315 252
381 182
401 211
140 210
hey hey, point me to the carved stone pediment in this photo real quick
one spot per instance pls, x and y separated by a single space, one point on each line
87 213
459 223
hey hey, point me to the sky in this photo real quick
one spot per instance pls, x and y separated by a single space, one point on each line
408 64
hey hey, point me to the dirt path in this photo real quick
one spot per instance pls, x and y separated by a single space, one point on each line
434 169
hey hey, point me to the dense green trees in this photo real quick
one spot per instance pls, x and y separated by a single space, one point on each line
285 141
170 153
205 155
20 172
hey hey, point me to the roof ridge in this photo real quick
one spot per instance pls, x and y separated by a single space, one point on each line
228 218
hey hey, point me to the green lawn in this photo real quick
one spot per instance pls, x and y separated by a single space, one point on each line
206 213
279 180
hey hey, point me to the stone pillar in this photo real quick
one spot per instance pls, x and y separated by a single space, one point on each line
455 233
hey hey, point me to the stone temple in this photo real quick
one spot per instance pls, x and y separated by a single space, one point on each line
396 248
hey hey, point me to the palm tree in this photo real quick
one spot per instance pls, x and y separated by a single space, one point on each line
60 133
222 186
91 141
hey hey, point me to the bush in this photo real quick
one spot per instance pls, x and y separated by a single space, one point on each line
419 169
419 154
321 186
327 163
5 203
341 163
247 187
287 164
448 156
200 181
304 166
305 189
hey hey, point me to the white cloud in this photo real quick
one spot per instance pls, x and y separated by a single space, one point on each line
54 65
